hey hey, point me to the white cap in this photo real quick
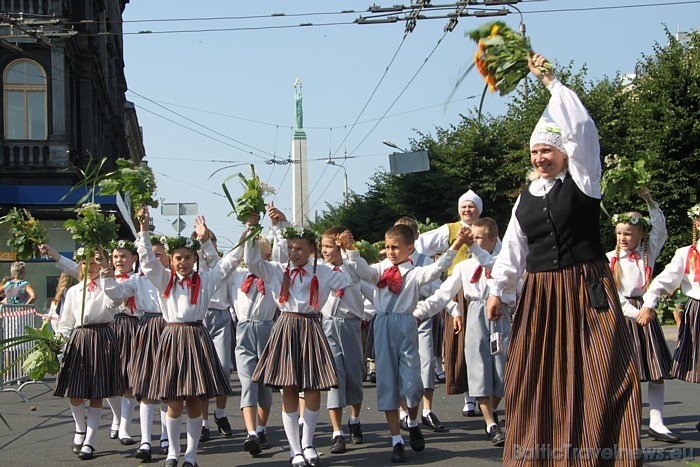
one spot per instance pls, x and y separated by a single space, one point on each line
474 198
547 132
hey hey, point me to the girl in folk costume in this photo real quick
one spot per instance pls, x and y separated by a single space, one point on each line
639 242
683 271
297 356
188 367
570 382
90 365
141 292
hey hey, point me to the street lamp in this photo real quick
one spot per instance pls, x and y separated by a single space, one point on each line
392 145
345 177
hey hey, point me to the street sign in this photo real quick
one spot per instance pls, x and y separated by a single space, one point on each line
179 225
407 162
185 209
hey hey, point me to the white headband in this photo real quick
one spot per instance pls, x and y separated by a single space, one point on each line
474 198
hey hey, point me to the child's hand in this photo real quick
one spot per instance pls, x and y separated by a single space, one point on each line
644 193
275 214
457 326
253 219
645 316
144 218
46 250
201 229
345 241
463 238
101 258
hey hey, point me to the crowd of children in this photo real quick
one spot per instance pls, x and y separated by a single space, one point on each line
543 319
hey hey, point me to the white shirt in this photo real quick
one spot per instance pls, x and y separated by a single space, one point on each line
145 294
437 241
220 300
99 309
428 289
632 272
252 305
349 305
580 138
176 306
673 277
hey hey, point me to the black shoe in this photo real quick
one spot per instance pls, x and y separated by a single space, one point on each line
164 446
355 433
665 437
440 378
76 447
416 439
170 463
403 423
144 454
432 422
205 435
262 438
252 445
496 435
338 445
698 426
189 464
373 377
127 441
224 426
399 454
311 461
469 409
86 456
113 434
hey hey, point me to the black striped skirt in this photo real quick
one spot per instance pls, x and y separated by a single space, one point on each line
125 328
186 364
653 357
90 365
142 364
297 354
570 379
686 358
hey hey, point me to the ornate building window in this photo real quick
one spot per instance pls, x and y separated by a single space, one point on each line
24 85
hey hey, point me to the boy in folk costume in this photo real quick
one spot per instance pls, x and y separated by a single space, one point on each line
297 356
639 242
255 310
683 271
145 344
395 330
189 367
485 371
90 365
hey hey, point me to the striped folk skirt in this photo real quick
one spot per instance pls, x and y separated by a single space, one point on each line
571 384
142 365
186 364
297 354
686 358
90 365
453 353
125 328
653 357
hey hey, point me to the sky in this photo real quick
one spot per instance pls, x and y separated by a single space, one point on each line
207 100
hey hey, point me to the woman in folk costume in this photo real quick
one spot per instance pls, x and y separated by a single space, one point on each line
683 271
90 365
189 369
639 242
297 356
146 300
571 386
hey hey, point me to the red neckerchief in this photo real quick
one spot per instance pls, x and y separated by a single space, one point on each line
391 277
92 286
122 277
289 278
340 292
693 252
192 281
477 274
130 302
248 283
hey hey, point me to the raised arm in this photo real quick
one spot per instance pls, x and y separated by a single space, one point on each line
434 241
658 234
150 266
66 265
441 298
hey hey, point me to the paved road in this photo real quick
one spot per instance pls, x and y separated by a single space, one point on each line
41 433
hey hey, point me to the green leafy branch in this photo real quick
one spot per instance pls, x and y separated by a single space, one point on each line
42 358
138 181
25 233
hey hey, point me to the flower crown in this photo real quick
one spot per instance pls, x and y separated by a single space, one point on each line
694 211
634 219
170 244
156 240
123 245
80 254
294 232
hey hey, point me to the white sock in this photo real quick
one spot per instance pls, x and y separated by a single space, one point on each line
338 433
402 414
146 412
354 420
489 427
78 412
115 403
260 429
126 417
194 429
291 429
205 423
93 422
219 413
656 408
253 433
310 421
412 423
396 440
163 415
426 412
174 427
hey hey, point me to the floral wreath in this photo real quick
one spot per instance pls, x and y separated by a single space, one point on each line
643 222
294 232
156 240
171 244
123 245
80 254
694 211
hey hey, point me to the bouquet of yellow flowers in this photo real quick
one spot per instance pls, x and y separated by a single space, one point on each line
26 234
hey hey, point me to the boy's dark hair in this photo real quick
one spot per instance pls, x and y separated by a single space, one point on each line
334 231
401 231
489 225
409 221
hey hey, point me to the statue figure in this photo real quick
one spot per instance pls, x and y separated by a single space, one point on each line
297 98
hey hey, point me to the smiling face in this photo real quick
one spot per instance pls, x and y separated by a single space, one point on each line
182 261
547 160
397 249
123 260
331 251
299 251
468 212
628 236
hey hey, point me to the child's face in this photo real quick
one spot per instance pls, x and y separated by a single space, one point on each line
397 251
299 251
696 223
161 256
182 261
483 240
468 212
628 236
93 269
123 261
331 251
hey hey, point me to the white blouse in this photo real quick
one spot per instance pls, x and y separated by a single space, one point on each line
146 296
251 306
99 309
673 277
220 300
349 305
